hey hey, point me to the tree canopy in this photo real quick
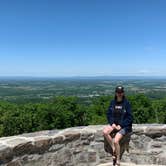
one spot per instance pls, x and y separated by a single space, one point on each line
62 112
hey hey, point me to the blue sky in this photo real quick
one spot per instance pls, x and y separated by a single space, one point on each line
82 37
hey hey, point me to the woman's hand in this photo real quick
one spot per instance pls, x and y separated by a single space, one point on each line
118 127
114 126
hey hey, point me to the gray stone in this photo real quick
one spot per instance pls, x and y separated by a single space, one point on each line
71 136
56 147
14 163
58 139
92 156
42 144
82 146
6 154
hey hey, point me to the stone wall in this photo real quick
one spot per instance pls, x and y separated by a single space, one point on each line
81 146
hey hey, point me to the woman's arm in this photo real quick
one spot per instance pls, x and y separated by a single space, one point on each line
128 118
109 114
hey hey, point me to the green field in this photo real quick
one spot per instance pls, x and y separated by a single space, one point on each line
27 89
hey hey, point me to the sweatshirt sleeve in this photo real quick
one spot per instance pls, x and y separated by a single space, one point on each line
128 118
109 114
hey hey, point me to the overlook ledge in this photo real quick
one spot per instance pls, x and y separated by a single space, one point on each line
82 146
129 164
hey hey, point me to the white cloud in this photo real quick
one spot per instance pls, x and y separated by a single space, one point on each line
144 71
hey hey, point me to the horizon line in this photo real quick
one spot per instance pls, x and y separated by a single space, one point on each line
71 76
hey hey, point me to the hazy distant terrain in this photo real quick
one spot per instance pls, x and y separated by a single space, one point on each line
20 89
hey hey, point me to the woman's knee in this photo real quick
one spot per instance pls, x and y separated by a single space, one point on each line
106 131
116 141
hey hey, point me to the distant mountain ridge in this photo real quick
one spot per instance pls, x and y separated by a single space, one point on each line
80 77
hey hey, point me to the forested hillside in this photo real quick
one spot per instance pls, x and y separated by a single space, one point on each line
62 112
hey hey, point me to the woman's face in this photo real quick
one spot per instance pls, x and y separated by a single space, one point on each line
119 94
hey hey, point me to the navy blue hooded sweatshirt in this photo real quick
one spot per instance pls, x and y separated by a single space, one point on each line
120 114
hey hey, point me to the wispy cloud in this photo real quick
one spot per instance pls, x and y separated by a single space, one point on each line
151 72
144 71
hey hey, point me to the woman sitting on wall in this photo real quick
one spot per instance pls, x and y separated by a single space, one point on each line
120 122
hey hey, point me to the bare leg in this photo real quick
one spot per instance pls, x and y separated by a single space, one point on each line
106 132
117 139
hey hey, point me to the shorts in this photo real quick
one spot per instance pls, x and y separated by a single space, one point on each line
114 132
122 131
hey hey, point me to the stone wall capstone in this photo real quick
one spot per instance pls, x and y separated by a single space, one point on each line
81 146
